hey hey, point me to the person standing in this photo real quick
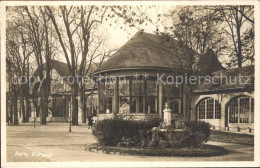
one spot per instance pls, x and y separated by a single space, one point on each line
10 121
90 122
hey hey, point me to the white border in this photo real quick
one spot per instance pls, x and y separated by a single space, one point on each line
254 163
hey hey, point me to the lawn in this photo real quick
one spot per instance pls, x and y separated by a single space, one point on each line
228 137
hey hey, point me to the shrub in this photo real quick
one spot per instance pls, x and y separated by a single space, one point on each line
107 131
199 127
130 133
111 132
196 133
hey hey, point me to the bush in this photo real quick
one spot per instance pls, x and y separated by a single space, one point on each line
111 132
130 133
194 134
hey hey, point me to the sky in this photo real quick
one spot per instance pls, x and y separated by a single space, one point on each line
117 37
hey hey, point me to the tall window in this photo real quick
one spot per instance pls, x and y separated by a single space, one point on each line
124 96
209 109
240 109
106 93
217 110
151 96
137 96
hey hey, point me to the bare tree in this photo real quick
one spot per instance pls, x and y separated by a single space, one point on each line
78 37
38 27
236 18
19 52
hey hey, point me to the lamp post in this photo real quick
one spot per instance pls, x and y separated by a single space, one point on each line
71 109
34 117
34 125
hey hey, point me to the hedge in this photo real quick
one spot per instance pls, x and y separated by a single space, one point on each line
110 132
131 133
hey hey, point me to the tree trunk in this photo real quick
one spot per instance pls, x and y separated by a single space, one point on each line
83 111
43 111
83 104
15 111
7 112
27 112
44 105
11 106
239 47
36 105
89 110
28 104
23 109
75 104
44 99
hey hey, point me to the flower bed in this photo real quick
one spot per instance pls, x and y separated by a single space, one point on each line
190 134
153 138
205 151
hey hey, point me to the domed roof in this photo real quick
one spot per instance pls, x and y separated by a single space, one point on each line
147 51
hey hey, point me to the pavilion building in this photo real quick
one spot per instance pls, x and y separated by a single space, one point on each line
137 81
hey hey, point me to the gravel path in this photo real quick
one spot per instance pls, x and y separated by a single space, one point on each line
53 142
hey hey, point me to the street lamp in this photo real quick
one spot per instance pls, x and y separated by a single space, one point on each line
71 110
34 118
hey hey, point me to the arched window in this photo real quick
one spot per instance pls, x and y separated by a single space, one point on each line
241 110
209 109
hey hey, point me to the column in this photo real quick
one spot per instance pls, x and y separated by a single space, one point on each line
115 99
130 95
224 112
98 102
160 100
184 105
79 109
144 96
